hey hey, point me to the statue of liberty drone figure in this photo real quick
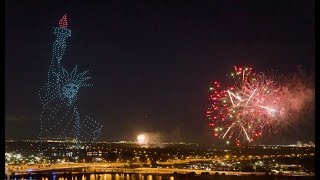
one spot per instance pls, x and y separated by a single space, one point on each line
60 118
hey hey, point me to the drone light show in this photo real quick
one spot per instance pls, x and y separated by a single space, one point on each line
60 117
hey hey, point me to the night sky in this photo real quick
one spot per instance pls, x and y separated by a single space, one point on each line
151 62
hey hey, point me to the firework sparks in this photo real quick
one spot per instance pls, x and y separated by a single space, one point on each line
254 103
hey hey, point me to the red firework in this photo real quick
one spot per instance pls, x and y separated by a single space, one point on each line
254 103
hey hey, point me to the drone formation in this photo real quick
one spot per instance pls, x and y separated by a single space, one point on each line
255 103
60 117
241 111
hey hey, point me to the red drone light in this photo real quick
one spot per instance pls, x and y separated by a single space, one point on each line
63 21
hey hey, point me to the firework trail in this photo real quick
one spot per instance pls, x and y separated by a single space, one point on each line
255 103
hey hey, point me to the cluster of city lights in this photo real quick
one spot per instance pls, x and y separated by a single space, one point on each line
17 158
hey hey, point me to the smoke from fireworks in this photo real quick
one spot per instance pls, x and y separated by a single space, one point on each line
255 103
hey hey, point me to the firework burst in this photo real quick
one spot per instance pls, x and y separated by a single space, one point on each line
254 103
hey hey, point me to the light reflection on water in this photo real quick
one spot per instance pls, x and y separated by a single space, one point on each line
111 177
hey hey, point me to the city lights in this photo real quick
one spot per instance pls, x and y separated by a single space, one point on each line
143 92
